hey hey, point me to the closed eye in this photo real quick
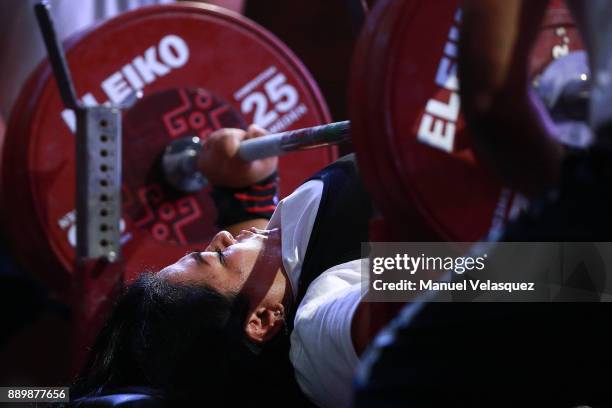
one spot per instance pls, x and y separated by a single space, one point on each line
198 257
221 256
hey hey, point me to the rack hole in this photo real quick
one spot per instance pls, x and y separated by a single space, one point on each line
103 152
104 183
104 212
103 167
103 138
103 123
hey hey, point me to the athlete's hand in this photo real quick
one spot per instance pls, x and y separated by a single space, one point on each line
220 163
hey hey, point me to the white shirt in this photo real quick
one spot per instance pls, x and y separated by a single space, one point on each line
322 351
295 216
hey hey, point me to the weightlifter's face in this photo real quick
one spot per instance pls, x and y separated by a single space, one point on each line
225 264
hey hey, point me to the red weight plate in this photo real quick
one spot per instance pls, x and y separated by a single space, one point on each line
148 128
558 37
364 110
183 57
409 133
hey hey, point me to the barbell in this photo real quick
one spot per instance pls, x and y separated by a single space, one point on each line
563 87
181 157
187 59
405 125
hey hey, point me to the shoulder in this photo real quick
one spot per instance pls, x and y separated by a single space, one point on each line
336 287
322 350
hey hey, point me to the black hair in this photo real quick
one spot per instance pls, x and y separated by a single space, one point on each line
188 342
